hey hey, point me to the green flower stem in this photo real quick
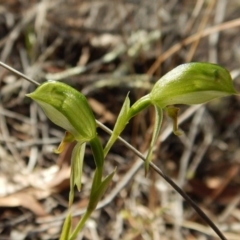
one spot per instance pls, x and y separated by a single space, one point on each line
138 106
80 225
110 142
66 229
97 151
125 115
97 179
98 189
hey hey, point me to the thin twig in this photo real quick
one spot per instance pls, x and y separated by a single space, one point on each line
202 25
173 184
19 73
158 170
213 38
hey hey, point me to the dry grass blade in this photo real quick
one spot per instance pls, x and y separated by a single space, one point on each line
191 39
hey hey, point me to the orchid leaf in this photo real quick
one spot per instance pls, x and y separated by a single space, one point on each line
97 192
76 169
97 180
120 124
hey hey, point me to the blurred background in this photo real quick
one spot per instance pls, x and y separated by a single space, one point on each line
106 49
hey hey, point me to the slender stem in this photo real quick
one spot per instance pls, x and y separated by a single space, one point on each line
19 73
80 225
158 170
124 117
97 151
139 105
169 180
66 227
111 141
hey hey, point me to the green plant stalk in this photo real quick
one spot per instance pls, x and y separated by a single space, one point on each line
97 191
139 106
66 229
96 181
110 142
97 151
80 224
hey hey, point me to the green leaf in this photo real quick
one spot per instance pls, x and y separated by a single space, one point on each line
120 124
67 108
192 83
97 180
157 127
76 169
98 191
66 230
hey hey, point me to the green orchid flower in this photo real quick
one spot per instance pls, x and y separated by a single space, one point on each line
190 83
69 109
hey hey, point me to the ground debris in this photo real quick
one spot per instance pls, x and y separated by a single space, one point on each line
107 49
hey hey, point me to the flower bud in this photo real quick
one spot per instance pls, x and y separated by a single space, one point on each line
67 108
192 83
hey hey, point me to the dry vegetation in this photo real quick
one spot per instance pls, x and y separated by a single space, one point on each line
106 49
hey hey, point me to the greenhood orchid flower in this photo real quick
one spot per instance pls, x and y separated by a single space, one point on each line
69 109
190 83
